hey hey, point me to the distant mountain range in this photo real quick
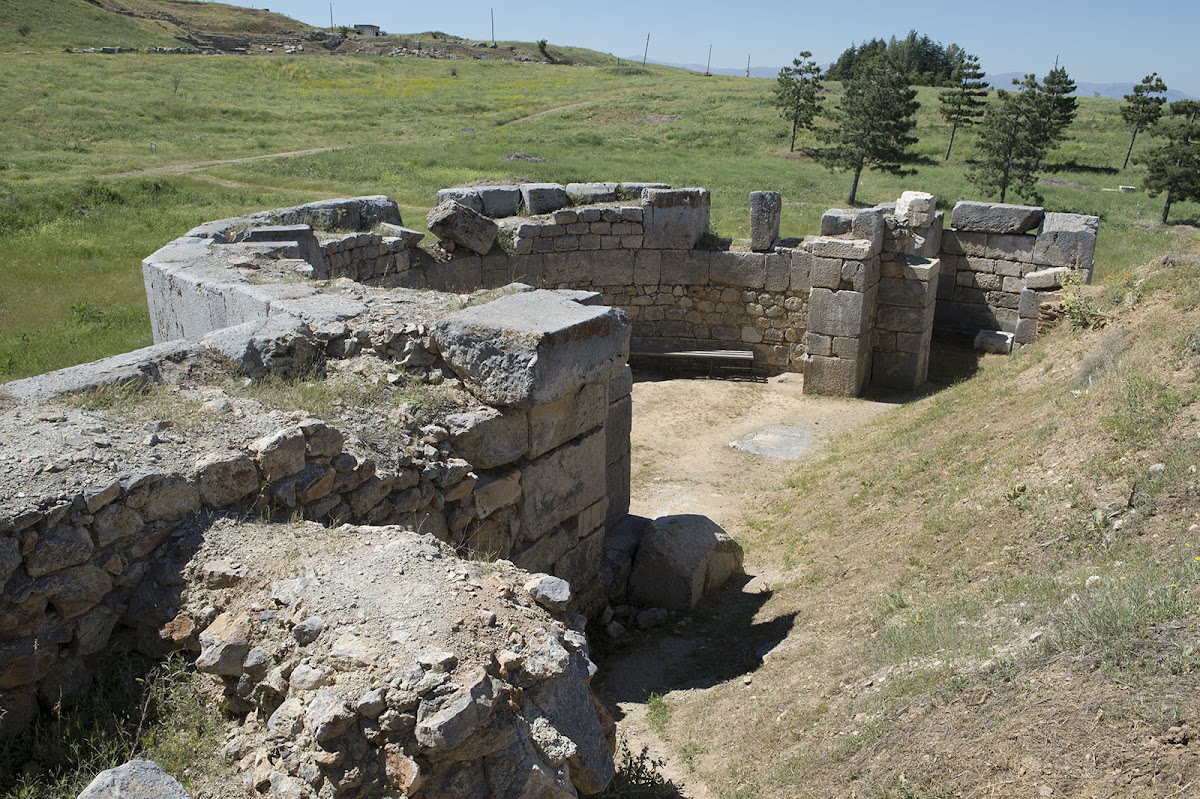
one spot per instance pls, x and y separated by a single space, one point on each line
1002 80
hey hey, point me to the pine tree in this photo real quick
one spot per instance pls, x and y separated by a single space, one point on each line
1173 167
799 94
1012 142
1059 107
1143 108
873 123
963 105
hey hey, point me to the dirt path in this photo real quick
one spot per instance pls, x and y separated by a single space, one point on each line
683 463
549 111
176 169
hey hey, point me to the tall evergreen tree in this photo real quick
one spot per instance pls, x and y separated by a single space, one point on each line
963 105
873 123
799 94
1012 142
1058 106
1143 108
1173 167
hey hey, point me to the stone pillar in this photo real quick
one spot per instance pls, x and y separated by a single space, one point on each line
841 314
765 209
675 219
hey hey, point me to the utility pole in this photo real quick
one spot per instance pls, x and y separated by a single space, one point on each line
331 17
708 66
747 65
646 54
493 28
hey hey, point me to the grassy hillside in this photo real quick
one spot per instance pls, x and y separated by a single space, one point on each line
991 591
29 25
405 127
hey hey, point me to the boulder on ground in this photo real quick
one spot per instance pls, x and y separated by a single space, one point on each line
681 559
137 779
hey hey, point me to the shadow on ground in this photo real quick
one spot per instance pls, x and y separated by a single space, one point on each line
718 643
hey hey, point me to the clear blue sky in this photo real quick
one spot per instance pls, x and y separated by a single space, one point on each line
1102 41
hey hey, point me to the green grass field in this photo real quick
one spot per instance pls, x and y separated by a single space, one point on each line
73 230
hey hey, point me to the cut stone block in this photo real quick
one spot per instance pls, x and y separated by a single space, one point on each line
837 313
847 249
585 193
562 483
916 208
543 198
675 219
835 377
555 423
409 238
765 210
467 197
994 341
681 559
532 348
995 217
740 269
489 438
456 222
1068 240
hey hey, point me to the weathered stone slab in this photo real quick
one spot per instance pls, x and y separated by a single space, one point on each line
408 237
562 483
489 438
846 249
837 313
531 348
684 268
555 423
682 559
741 269
465 196
765 210
543 198
675 219
634 191
835 377
460 224
585 193
995 217
1068 240
144 365
916 208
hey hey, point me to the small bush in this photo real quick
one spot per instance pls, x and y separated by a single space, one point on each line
639 777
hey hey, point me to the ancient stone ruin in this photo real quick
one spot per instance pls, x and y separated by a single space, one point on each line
393 597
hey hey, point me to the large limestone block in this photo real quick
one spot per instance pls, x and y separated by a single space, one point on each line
562 483
837 313
1068 240
739 269
137 779
675 219
543 198
531 348
900 370
846 249
765 210
994 217
834 377
556 423
488 438
585 193
456 222
916 208
681 559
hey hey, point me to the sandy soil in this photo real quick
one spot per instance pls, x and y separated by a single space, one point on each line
683 463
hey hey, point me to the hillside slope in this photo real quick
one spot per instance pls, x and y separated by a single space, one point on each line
28 25
992 591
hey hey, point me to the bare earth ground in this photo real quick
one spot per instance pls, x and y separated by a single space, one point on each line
683 463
